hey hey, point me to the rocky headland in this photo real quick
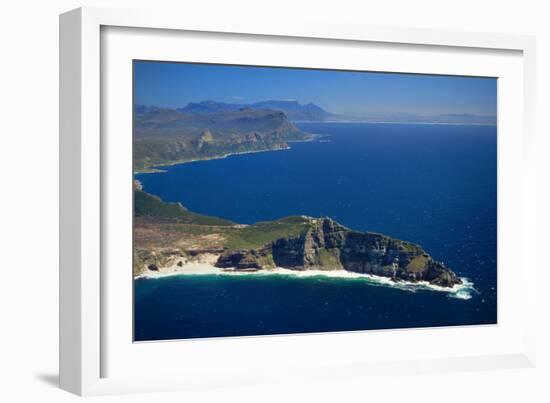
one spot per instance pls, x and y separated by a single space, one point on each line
327 245
164 136
168 238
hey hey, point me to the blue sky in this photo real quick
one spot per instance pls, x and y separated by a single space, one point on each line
354 93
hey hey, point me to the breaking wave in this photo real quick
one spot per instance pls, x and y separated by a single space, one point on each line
462 291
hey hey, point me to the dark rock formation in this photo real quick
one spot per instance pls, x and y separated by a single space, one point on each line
327 245
252 259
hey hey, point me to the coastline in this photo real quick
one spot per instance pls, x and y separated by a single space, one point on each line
460 291
218 157
153 168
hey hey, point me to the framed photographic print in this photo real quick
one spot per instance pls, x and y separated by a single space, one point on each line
296 241
236 199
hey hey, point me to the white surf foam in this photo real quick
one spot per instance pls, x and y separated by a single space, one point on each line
462 291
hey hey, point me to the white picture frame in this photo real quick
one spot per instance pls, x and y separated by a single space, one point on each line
85 344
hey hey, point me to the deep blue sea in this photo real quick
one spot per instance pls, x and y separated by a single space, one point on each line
434 185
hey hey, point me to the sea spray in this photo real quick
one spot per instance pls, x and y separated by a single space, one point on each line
459 291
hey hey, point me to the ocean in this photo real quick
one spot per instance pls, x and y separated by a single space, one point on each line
434 185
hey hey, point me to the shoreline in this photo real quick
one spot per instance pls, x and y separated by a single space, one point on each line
460 291
153 169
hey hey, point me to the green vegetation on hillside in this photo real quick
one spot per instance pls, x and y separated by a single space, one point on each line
148 205
166 234
260 234
417 263
168 136
329 258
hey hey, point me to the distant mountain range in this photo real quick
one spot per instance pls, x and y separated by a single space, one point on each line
310 112
292 109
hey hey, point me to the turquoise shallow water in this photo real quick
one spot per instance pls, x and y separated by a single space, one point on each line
434 185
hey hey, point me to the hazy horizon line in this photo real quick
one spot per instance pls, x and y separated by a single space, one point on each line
369 115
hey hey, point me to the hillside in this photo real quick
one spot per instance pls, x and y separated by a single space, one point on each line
168 235
151 206
166 136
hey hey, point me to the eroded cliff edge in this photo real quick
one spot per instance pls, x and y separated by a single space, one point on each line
168 235
164 136
328 245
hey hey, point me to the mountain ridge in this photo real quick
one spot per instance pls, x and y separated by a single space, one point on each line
164 136
310 112
291 108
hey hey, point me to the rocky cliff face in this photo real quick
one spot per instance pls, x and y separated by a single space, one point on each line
165 136
327 245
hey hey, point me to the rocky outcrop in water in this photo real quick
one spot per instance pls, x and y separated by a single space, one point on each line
327 245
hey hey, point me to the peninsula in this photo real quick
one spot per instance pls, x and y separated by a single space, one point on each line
164 136
169 238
